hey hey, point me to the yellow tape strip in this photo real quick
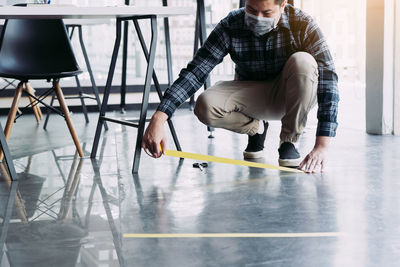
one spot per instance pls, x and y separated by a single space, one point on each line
200 157
235 235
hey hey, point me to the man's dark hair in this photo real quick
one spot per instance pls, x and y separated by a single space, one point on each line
279 2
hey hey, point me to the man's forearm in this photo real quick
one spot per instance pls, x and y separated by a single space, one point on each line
322 141
159 117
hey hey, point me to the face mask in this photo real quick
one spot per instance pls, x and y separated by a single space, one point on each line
259 25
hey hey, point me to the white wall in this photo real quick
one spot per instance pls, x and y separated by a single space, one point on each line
397 71
380 66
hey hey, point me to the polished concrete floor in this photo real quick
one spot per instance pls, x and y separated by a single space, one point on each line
68 211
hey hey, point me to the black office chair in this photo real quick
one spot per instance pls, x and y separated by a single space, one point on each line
37 49
12 84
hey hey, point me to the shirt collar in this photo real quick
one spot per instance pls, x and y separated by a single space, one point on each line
284 20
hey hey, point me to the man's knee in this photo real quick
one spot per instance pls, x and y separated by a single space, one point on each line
205 109
302 63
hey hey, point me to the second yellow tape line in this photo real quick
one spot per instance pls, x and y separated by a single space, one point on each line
186 155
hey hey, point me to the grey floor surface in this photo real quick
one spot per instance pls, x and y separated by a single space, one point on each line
74 212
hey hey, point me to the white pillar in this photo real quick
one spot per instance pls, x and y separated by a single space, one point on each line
380 66
397 71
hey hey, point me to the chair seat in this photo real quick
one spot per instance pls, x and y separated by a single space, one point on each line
36 49
40 76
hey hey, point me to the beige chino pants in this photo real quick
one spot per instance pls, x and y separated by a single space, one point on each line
239 105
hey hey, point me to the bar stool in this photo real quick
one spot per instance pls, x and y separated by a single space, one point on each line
32 49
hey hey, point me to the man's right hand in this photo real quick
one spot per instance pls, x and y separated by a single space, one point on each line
154 135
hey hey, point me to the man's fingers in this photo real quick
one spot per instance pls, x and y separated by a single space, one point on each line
163 146
322 166
155 149
303 163
308 164
148 152
314 165
145 146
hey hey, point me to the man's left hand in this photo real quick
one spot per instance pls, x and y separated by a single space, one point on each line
316 160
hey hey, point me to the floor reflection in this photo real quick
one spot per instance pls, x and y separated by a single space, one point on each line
67 211
59 220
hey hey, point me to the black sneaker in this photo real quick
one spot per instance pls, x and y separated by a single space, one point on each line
288 155
255 145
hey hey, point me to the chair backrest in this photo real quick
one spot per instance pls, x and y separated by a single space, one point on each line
36 47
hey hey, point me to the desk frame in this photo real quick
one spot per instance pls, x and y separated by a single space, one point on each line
150 75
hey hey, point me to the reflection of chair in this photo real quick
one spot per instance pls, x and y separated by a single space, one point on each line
37 49
44 243
29 188
38 239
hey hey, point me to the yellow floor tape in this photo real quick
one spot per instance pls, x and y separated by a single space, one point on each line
200 157
235 235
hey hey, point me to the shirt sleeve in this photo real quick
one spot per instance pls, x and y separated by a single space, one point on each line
195 74
328 93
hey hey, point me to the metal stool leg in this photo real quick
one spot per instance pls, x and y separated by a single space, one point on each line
124 63
201 34
48 113
82 99
124 67
89 69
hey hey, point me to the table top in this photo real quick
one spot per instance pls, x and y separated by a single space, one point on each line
83 22
73 12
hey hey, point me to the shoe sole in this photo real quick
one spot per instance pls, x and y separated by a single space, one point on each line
253 155
290 163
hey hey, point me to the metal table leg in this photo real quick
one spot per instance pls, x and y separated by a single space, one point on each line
147 86
107 89
170 75
156 82
150 74
7 156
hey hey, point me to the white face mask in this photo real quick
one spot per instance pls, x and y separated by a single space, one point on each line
259 25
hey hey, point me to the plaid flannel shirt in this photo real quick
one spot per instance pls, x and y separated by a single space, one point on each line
261 58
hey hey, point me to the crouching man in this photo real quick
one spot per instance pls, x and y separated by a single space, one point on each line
283 69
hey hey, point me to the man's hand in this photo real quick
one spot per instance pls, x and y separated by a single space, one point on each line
317 157
155 135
